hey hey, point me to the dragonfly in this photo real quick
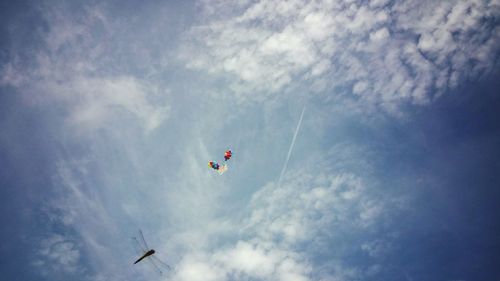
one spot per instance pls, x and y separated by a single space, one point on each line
147 253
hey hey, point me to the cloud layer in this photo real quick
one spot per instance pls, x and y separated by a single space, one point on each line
135 119
384 53
289 226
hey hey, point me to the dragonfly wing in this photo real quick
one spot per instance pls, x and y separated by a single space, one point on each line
143 240
156 267
156 259
138 247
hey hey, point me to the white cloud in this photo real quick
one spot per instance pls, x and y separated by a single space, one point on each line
248 258
380 34
375 248
12 75
288 225
305 206
369 212
267 46
275 237
68 73
59 254
244 261
408 51
93 102
195 268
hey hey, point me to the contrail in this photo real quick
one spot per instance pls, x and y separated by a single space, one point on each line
291 147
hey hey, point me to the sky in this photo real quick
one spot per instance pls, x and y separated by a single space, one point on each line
364 135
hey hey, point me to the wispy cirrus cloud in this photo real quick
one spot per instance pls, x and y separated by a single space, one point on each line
383 53
68 71
68 77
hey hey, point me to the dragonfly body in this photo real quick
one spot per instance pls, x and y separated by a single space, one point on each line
147 254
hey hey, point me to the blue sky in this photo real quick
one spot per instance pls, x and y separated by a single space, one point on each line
109 113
